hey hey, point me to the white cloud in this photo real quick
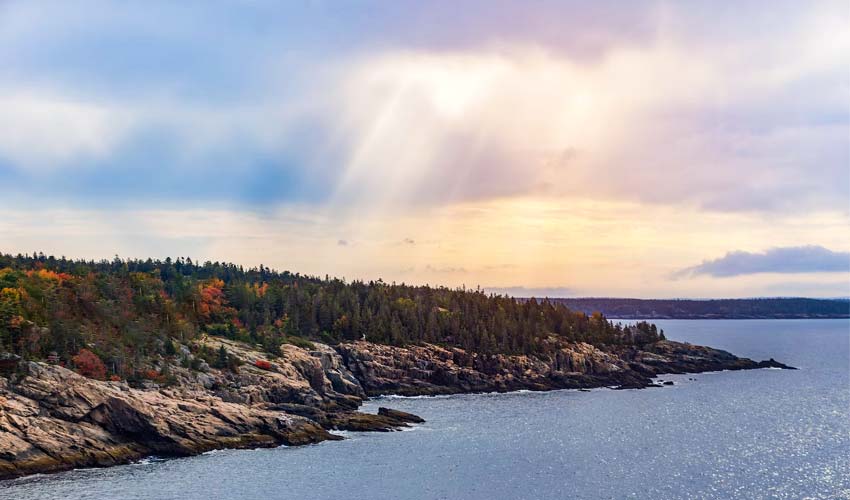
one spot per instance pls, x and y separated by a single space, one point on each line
670 122
43 131
477 124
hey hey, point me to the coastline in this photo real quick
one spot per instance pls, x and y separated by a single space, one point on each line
53 419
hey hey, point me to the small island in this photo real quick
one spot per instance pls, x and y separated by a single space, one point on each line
103 363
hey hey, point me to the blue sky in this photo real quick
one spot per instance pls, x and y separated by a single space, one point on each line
623 143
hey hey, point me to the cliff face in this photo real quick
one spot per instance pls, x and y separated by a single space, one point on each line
54 419
315 378
430 369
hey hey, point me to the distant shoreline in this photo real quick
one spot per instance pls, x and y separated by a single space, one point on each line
727 318
762 308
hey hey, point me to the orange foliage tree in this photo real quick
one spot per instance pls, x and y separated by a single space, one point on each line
213 304
89 364
48 275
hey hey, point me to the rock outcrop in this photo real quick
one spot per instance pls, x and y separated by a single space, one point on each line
315 377
431 369
53 419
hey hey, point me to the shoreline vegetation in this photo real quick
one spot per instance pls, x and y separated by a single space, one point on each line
104 363
756 308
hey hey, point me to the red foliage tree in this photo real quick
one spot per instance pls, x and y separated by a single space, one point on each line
263 364
213 304
89 365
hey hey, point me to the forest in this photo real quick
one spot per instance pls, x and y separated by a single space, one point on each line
125 311
757 308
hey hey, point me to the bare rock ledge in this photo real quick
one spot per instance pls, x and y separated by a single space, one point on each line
53 419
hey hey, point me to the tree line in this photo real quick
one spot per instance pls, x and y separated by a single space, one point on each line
126 310
775 307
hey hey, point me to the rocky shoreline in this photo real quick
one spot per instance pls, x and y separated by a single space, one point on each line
53 419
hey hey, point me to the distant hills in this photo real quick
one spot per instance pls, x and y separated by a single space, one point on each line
760 308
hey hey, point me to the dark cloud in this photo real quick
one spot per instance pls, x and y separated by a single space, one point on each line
804 259
409 241
342 243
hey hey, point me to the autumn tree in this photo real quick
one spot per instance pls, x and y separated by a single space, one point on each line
89 364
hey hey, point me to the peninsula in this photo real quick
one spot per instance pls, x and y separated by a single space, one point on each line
102 363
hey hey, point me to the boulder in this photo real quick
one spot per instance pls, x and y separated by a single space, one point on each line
401 416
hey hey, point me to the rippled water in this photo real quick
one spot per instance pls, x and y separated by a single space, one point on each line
755 434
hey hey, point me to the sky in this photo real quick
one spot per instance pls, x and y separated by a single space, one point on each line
549 148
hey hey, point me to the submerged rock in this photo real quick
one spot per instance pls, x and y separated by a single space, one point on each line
346 420
400 416
382 422
772 363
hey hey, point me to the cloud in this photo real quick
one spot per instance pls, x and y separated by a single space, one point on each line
643 124
409 241
500 267
445 270
804 259
614 251
342 243
48 130
538 292
388 114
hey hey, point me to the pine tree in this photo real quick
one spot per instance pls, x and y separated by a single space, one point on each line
221 359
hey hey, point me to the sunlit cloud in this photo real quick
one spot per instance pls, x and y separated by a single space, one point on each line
591 248
445 270
526 292
444 127
669 119
644 123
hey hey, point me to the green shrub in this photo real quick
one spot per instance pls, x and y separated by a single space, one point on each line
299 342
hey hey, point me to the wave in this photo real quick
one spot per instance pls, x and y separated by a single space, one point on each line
381 397
421 396
345 434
